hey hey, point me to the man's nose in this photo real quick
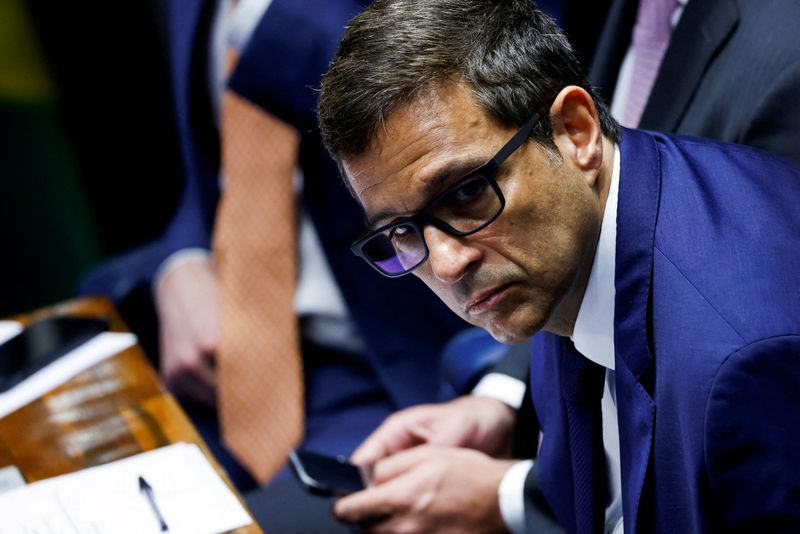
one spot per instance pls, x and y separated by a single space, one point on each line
450 257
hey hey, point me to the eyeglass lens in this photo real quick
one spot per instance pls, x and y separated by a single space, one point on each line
463 208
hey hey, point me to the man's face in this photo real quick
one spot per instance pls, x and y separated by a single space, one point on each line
510 277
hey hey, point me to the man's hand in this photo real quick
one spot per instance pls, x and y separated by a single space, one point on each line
429 489
188 312
480 423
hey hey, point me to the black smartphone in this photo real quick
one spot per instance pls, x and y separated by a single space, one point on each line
42 342
327 476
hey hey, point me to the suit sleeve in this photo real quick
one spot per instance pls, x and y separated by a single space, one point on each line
198 137
190 226
282 67
753 437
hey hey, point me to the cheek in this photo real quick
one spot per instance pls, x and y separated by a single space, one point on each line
550 222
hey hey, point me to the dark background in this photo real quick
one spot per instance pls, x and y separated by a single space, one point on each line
89 163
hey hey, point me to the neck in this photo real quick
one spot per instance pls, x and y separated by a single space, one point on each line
562 321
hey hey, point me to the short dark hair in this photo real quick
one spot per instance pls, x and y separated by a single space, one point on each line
512 56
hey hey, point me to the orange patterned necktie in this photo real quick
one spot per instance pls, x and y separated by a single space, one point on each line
260 388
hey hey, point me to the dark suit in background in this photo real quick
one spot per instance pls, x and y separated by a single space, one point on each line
581 22
731 72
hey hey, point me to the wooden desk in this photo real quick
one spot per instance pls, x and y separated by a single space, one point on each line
115 409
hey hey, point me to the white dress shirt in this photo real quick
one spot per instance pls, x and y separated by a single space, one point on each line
593 336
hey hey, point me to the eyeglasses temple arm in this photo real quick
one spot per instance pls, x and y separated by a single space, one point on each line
518 139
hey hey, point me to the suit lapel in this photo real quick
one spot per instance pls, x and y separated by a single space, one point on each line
640 175
704 28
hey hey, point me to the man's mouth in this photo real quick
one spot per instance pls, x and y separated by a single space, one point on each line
486 300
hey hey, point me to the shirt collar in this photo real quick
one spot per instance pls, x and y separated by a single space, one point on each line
593 334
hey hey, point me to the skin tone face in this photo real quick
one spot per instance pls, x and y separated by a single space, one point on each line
528 269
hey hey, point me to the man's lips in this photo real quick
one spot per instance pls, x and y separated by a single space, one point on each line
484 300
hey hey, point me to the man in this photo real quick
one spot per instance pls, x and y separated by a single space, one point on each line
719 78
661 273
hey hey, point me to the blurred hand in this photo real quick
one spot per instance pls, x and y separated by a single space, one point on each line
475 422
187 301
429 489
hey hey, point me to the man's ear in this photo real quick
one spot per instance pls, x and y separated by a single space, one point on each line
576 128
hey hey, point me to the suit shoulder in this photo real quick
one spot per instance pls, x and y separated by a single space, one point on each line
727 221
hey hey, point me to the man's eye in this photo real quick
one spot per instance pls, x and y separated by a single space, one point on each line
469 190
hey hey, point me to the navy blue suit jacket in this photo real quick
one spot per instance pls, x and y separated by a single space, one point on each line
403 325
707 341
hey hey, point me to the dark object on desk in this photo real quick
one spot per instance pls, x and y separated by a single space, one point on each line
147 491
42 343
326 476
286 505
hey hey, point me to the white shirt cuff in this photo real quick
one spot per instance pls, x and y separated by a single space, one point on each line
501 387
511 495
181 257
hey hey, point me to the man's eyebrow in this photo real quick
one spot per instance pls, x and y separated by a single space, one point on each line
432 186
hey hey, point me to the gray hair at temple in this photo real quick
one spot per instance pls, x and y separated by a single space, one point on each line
512 56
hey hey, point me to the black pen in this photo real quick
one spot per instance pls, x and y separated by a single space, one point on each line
145 488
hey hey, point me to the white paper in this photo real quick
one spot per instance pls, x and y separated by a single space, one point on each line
9 329
190 496
10 478
72 363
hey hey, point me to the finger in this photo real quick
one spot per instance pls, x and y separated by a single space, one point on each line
393 525
396 465
202 390
195 380
421 433
206 395
205 373
186 386
369 506
371 450
371 526
205 334
393 436
449 433
210 358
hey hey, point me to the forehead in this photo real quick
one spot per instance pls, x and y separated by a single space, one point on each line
420 144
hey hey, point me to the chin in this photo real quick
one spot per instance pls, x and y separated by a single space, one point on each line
515 327
504 336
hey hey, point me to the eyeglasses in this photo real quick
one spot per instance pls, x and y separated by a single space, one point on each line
467 206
